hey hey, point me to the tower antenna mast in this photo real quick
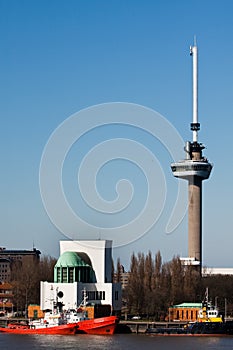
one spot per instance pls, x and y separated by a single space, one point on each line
195 126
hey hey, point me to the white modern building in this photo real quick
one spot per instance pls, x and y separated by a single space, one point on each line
217 271
82 265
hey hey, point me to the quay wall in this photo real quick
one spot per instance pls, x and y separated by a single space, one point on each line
141 326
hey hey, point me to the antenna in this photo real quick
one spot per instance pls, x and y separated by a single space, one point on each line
195 126
195 40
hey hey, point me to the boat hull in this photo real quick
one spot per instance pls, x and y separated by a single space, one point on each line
197 329
65 329
98 326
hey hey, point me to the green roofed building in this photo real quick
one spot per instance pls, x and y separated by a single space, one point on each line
184 312
70 268
187 305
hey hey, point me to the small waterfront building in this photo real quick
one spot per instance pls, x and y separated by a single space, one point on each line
82 266
34 311
187 312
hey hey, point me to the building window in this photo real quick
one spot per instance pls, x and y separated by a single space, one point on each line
116 295
91 295
58 274
96 295
64 274
100 295
71 274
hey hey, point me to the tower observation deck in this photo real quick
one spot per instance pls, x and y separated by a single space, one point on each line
195 168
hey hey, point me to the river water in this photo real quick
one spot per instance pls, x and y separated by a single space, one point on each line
115 342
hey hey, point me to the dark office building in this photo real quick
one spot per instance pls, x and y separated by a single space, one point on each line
9 257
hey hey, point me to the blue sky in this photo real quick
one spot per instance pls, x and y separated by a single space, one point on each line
59 57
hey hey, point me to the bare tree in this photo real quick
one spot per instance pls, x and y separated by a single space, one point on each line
177 280
118 271
133 283
148 284
46 268
26 277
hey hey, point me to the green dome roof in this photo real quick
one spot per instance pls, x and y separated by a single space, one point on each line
70 259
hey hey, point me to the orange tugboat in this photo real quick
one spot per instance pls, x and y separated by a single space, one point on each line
102 325
97 326
50 324
55 325
70 322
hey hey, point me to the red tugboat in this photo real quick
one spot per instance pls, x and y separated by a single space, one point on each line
70 322
97 326
50 324
102 325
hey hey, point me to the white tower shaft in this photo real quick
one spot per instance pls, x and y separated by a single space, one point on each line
195 91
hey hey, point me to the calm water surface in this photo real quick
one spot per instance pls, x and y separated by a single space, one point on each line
115 342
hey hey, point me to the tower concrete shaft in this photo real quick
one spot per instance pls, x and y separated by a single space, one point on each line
195 218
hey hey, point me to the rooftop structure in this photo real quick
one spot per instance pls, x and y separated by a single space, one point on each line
19 254
217 271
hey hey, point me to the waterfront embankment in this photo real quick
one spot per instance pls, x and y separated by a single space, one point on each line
142 325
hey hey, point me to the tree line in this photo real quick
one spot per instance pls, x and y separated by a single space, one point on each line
25 279
154 286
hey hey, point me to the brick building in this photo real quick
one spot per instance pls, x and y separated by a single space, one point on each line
187 312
